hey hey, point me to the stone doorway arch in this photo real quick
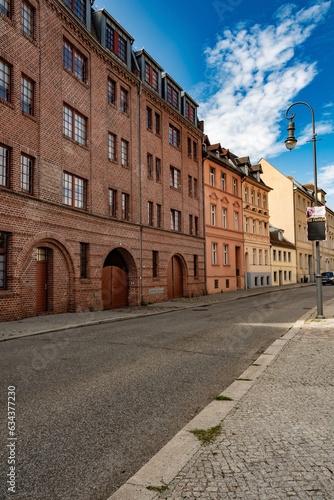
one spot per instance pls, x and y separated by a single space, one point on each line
117 276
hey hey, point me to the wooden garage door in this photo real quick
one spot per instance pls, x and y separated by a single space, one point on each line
114 287
41 293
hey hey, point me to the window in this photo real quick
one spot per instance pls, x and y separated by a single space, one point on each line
125 206
5 81
290 275
289 256
150 213
158 169
194 150
225 253
258 199
27 19
284 256
124 100
190 112
172 96
223 182
115 43
196 226
111 91
300 260
125 153
174 178
213 215
189 147
279 255
214 253
74 61
265 229
74 191
195 188
246 194
247 225
216 283
264 201
235 187
260 227
174 136
212 176
3 260
149 166
4 166
5 7
300 231
265 257
27 169
112 147
74 125
155 263
149 118
112 203
175 220
260 257
190 185
275 276
224 218
252 197
299 206
254 256
78 7
84 260
195 266
285 275
151 77
236 221
157 124
158 215
274 254
27 96
253 226
191 224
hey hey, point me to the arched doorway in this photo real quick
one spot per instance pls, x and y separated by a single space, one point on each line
175 278
115 283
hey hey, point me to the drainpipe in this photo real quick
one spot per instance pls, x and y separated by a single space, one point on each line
140 215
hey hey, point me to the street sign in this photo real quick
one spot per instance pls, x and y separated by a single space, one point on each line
316 223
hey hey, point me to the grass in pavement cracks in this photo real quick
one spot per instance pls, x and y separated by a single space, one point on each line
223 398
207 436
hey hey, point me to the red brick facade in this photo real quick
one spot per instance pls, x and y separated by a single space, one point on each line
42 219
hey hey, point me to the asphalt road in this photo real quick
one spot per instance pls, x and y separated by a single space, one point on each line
94 404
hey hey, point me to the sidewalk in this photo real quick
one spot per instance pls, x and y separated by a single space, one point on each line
56 322
275 435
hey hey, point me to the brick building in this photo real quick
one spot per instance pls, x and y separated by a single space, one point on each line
100 167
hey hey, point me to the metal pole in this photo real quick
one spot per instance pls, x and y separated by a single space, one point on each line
317 243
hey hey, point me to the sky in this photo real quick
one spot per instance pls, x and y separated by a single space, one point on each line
245 63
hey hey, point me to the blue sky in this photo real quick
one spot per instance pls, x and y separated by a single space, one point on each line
245 63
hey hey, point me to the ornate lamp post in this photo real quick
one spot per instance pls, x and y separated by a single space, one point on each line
290 143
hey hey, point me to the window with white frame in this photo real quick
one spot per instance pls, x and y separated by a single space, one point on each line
112 147
212 176
225 253
74 125
224 218
236 221
213 215
214 253
74 191
235 187
253 225
246 224
246 194
175 220
260 227
223 181
252 196
125 153
254 255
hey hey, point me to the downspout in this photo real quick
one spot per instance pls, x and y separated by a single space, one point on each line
140 214
204 156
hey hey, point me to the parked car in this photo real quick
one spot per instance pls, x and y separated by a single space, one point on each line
327 278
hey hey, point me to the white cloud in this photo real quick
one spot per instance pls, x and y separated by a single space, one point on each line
254 76
325 180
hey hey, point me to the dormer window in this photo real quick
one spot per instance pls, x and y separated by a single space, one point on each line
78 7
115 43
151 77
190 112
172 96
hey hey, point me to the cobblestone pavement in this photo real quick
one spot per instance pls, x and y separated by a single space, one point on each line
277 443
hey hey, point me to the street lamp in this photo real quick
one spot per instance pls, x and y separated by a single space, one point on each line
290 143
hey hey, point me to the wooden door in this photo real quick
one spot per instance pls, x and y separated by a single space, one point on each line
174 279
119 287
106 287
41 293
